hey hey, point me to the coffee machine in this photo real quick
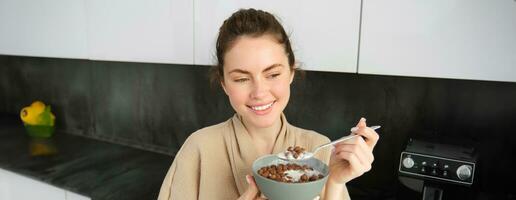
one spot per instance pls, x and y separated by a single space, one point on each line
431 168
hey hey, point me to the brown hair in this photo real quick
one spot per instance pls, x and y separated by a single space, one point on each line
248 22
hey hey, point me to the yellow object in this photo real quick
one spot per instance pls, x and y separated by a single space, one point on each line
38 106
38 120
37 114
30 114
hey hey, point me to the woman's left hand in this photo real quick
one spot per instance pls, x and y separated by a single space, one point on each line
352 158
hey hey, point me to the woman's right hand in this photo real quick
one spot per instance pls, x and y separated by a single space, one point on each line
252 192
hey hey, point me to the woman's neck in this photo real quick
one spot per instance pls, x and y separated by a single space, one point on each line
264 137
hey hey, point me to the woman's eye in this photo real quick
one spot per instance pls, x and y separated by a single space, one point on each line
241 80
274 75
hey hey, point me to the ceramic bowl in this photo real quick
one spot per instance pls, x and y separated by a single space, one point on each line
276 190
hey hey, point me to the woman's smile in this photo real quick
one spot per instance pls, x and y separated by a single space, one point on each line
262 109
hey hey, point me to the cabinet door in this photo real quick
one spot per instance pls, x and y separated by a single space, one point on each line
4 190
440 38
50 28
324 35
20 187
74 196
159 31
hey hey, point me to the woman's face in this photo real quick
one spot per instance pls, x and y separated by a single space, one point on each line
257 79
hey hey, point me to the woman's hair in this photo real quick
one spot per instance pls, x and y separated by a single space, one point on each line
248 22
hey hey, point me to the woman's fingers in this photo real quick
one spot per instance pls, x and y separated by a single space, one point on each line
366 150
252 191
361 123
262 197
359 147
370 135
357 168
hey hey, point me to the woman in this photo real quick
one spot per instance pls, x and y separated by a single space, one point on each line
255 68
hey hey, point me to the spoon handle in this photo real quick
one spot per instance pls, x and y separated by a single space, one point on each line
335 142
350 136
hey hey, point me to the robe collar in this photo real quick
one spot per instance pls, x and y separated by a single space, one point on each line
242 152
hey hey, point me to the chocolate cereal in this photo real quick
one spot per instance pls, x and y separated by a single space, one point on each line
290 173
295 152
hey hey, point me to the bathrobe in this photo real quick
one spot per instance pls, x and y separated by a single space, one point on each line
214 161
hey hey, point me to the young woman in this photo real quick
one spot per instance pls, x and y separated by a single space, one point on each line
255 68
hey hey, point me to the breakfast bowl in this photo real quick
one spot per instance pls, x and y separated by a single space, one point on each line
277 190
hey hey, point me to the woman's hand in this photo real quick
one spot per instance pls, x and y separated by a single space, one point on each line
352 158
252 192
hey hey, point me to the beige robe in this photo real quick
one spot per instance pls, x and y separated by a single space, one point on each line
213 161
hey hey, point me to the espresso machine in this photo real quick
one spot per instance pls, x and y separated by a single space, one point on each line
433 168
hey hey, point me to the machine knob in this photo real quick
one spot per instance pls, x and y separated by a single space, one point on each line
464 172
408 162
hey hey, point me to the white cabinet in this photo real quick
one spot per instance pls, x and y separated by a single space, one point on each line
20 187
73 196
324 34
50 28
4 191
440 38
14 186
159 31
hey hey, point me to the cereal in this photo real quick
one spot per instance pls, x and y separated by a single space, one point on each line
294 153
290 173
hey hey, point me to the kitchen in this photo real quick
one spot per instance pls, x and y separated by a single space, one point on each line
127 82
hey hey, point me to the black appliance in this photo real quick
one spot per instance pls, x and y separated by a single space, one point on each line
436 166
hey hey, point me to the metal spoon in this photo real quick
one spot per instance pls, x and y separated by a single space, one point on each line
307 155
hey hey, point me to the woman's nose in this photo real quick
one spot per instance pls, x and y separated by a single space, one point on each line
260 89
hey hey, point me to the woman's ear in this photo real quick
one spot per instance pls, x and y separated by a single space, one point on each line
292 74
223 86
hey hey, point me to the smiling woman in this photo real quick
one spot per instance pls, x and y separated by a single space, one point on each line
256 67
257 80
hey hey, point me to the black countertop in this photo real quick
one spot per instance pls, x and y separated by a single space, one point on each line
89 167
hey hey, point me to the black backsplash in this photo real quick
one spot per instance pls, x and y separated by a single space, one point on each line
156 106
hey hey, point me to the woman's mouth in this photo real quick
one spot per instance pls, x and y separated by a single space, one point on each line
262 109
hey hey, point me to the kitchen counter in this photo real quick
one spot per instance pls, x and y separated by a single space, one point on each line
89 167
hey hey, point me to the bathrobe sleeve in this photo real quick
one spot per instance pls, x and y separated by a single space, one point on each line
183 177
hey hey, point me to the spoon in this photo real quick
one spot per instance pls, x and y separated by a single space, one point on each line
307 155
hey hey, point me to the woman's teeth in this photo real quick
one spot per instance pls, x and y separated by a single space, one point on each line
264 107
